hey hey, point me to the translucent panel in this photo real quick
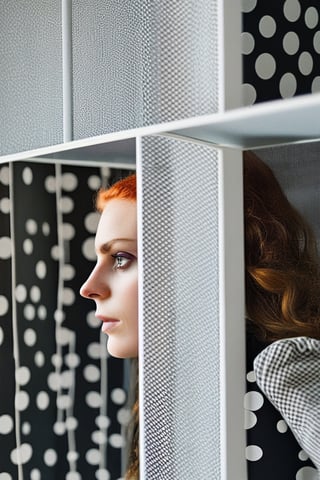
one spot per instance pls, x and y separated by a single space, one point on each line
139 63
30 75
181 337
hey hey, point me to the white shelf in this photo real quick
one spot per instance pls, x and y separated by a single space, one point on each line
267 124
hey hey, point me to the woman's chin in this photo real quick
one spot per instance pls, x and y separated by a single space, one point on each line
118 350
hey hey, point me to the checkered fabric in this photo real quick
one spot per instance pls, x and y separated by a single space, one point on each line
288 372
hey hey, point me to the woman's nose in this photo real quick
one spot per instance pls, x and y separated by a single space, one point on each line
95 286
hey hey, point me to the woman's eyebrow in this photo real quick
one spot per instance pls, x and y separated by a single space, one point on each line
106 247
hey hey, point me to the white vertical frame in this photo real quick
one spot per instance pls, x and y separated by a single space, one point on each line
232 315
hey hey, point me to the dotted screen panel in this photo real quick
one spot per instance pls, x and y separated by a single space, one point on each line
140 63
181 367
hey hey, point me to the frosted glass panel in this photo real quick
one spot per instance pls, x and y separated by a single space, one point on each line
30 75
139 63
181 338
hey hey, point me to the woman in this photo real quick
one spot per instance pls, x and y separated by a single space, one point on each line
282 272
113 283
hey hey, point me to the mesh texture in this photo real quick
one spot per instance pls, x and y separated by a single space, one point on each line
181 370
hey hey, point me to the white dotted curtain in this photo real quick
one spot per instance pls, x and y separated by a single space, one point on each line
63 403
281 49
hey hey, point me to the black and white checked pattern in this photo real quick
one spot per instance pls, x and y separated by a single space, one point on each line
288 372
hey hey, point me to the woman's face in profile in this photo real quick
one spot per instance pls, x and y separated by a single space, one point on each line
113 283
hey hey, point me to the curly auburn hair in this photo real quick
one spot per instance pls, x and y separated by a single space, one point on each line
281 260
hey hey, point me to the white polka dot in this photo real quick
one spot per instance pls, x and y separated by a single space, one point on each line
20 293
94 182
66 205
253 453
67 379
64 402
68 296
71 423
30 337
42 312
41 269
68 231
6 424
248 43
42 400
57 360
102 422
305 63
91 221
59 428
1 336
265 66
316 41
21 400
118 396
46 228
54 381
27 175
26 428
31 226
315 87
102 474
250 419
282 427
292 10
93 456
4 305
72 360
64 336
5 247
4 175
291 43
35 294
68 272
28 246
73 476
307 473
124 416
251 376
248 5
59 316
5 476
253 401
69 182
311 17
39 359
288 85
93 399
29 312
267 26
23 375
35 474
50 457
50 184
91 373
99 437
22 454
96 350
303 456
92 320
88 249
5 205
116 440
56 252
72 456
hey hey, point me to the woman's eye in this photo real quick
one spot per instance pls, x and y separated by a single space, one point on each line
122 260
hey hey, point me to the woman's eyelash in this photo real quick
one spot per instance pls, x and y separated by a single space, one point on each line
122 260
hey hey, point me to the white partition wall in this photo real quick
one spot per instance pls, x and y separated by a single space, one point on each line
192 339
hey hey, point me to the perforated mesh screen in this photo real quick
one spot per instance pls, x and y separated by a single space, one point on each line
180 310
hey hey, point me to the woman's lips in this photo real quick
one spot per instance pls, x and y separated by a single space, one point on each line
108 324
